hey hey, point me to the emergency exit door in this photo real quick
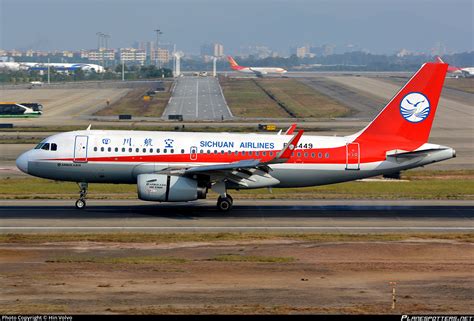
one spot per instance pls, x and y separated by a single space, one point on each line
80 149
193 153
352 156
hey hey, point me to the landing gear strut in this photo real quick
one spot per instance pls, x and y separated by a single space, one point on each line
224 204
225 201
81 202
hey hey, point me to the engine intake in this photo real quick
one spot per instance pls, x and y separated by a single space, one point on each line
167 188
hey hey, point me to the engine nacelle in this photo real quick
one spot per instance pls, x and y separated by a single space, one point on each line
167 188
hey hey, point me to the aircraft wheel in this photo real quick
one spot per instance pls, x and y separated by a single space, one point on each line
80 204
224 204
230 199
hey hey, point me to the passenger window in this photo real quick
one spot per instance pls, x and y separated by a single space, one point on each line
299 154
222 152
312 155
151 150
264 153
144 150
164 151
157 150
116 149
243 153
123 149
182 151
95 149
256 153
45 146
201 151
236 153
305 154
109 149
320 155
327 155
130 150
102 149
137 150
215 151
208 151
229 152
172 151
271 153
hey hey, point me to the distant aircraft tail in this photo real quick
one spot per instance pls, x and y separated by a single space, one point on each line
405 122
233 64
450 67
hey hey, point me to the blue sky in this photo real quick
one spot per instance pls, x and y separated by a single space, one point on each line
380 26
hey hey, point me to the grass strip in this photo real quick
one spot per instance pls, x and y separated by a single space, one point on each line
166 238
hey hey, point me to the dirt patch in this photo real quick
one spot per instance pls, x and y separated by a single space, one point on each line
321 277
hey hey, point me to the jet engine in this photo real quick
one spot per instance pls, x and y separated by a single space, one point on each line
167 188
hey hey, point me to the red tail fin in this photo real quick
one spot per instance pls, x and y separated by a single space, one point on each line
233 64
405 122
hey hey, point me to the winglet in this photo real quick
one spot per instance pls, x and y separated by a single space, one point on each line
89 127
290 130
285 153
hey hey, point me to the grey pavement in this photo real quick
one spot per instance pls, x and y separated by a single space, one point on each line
334 216
198 98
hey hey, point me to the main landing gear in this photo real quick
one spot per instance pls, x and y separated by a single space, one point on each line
225 203
81 202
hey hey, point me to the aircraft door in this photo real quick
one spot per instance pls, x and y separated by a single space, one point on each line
352 156
80 149
193 153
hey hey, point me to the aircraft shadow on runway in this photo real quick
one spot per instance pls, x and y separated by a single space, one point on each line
191 212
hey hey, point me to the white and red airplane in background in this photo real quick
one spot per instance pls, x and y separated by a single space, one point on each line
465 72
180 167
258 71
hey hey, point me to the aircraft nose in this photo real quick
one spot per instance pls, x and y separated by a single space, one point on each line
22 162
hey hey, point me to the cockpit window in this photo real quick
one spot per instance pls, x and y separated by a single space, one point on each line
39 146
45 146
54 147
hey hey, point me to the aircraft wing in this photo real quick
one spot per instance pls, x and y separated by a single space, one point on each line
245 173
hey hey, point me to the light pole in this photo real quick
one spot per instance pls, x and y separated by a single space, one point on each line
158 33
99 38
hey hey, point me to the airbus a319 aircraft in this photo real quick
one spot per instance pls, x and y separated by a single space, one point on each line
180 167
258 71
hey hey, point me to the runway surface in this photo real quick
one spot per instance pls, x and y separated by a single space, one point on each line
246 216
198 98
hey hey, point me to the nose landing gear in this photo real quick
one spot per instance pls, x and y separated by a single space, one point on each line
81 202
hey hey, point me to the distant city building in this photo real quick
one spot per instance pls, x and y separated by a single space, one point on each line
212 49
302 52
99 55
162 55
133 56
403 53
439 49
324 50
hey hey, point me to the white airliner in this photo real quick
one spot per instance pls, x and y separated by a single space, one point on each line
180 167
467 72
11 66
258 71
64 67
